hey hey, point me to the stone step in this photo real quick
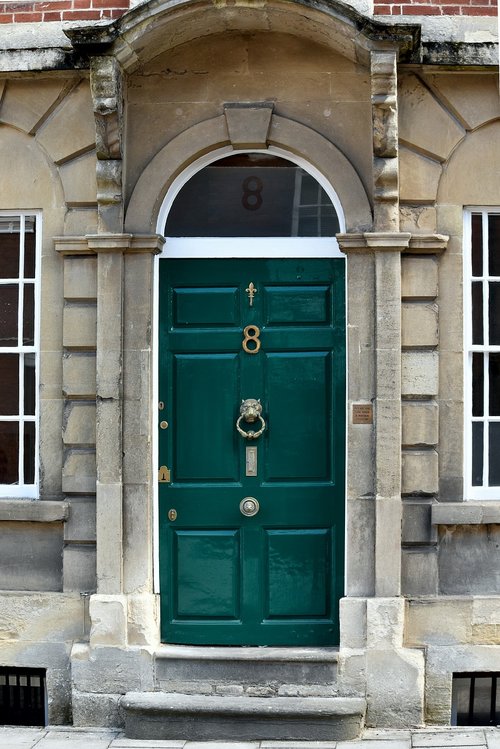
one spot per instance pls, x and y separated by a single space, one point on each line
214 666
161 716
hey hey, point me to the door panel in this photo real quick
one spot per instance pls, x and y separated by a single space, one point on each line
274 578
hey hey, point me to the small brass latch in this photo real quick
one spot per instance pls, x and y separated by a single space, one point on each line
164 475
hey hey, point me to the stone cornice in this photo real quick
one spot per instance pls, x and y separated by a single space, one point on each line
93 244
404 242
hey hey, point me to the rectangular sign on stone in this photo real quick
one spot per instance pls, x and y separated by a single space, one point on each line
362 413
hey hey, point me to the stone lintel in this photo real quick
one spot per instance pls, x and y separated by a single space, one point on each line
427 244
37 511
465 513
94 243
374 241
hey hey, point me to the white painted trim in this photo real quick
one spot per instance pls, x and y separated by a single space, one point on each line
233 247
484 492
27 491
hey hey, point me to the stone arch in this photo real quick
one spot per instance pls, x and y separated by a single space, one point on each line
246 127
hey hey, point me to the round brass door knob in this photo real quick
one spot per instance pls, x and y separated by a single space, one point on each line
249 506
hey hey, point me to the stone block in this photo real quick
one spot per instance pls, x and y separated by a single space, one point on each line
248 126
419 472
39 617
81 522
137 526
485 610
26 102
79 472
97 710
385 623
352 670
80 326
39 566
417 528
109 519
388 512
111 670
420 424
108 614
419 325
419 373
78 178
423 122
473 96
419 277
419 571
469 560
360 553
400 703
418 218
79 567
353 623
438 622
71 129
419 177
143 619
80 221
80 278
79 379
79 424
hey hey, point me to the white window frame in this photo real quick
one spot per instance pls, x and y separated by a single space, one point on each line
24 490
485 491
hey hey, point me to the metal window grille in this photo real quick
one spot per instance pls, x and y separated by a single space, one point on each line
22 697
476 699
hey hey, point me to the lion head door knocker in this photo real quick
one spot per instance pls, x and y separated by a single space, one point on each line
250 412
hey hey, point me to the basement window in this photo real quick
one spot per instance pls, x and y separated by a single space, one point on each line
23 700
476 699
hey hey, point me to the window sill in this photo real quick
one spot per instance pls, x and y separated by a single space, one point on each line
475 512
33 511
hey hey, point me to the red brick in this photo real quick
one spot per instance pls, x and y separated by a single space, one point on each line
27 17
118 12
52 16
451 10
420 10
383 10
6 18
20 7
479 11
81 15
78 4
57 5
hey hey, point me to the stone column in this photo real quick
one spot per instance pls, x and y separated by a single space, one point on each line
385 141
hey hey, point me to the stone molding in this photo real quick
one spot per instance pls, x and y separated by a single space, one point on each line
93 244
404 242
465 513
43 511
248 125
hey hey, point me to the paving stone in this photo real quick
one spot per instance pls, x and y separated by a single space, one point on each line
123 743
221 745
449 738
297 745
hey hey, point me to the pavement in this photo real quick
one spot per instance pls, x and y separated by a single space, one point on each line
62 737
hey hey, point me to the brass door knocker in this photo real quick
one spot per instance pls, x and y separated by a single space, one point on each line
250 412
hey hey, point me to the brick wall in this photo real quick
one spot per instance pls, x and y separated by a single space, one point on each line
432 8
61 10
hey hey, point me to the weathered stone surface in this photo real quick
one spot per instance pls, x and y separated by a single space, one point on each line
423 122
419 324
469 560
419 571
419 277
80 525
79 567
111 670
137 522
108 614
143 619
248 127
420 421
79 423
385 623
420 472
417 528
79 377
419 176
444 621
33 511
401 702
353 623
79 180
466 513
39 567
420 373
109 519
36 617
80 278
79 472
417 218
79 328
96 710
471 97
25 103
70 131
360 553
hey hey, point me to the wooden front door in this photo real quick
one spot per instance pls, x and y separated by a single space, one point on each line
271 330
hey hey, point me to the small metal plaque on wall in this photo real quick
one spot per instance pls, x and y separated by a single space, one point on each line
362 413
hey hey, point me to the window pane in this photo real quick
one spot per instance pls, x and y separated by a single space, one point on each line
29 315
477 312
29 452
478 384
29 384
477 244
494 454
8 315
246 195
482 700
494 313
9 379
494 244
9 251
477 453
494 368
9 451
29 247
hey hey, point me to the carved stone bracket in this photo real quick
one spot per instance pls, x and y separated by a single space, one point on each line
385 140
106 88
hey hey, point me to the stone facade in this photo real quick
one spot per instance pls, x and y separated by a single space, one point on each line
94 132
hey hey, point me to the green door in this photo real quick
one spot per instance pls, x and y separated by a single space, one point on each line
271 330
